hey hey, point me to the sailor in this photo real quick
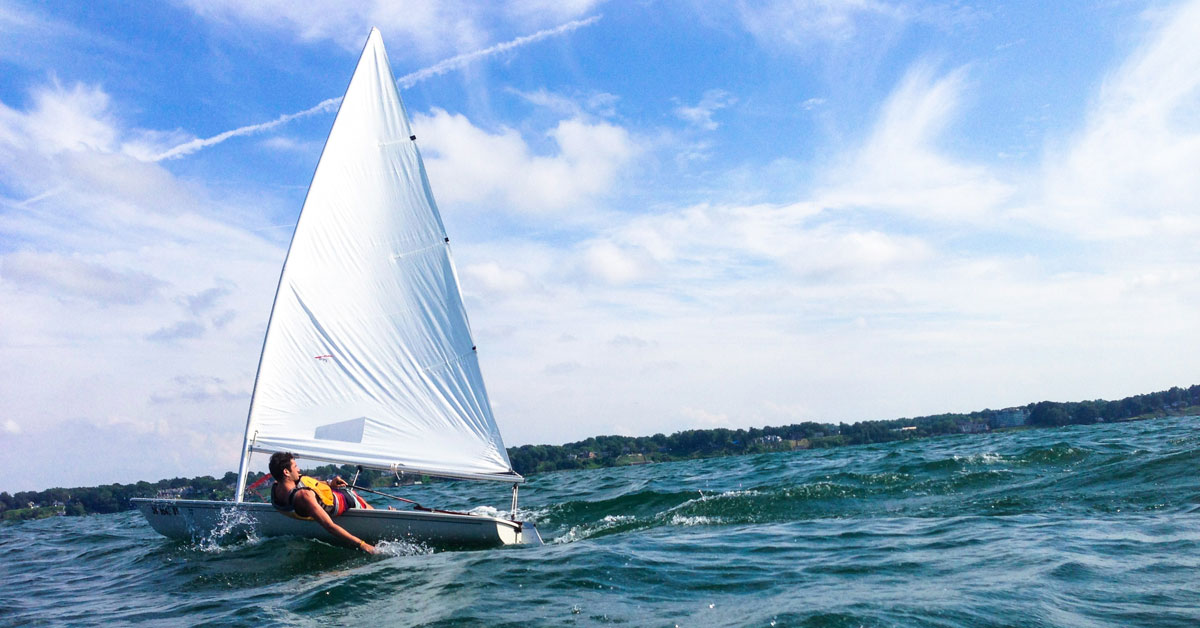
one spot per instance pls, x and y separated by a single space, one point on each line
302 497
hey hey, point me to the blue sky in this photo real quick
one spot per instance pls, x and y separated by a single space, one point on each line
666 215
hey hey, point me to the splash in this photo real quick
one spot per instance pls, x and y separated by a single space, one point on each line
983 459
234 528
402 548
607 524
693 520
531 515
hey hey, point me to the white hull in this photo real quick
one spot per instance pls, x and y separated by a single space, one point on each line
188 519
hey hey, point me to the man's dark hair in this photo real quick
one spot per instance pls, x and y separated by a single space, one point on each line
280 460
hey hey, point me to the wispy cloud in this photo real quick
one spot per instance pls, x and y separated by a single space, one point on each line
67 277
183 330
197 388
701 115
598 103
1131 170
406 81
803 23
901 168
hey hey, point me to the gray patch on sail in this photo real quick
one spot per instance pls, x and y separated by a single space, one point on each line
346 431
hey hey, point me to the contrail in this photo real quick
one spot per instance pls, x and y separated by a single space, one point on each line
406 81
188 148
453 63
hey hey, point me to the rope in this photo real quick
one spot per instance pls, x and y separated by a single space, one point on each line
367 490
416 506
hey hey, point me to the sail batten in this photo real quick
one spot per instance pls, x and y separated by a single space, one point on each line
368 357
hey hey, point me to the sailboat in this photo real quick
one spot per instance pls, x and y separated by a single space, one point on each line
368 357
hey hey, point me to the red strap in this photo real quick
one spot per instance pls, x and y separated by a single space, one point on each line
259 482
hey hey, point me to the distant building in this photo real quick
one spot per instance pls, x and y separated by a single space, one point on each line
1009 417
972 427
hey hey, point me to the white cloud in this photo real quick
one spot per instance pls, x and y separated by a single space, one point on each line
180 145
805 24
430 27
867 297
66 277
776 309
205 300
493 278
183 330
107 255
900 167
470 165
812 103
701 115
597 103
631 342
562 368
200 388
611 263
1131 171
800 23
427 28
554 9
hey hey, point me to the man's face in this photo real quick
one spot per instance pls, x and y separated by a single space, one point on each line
292 472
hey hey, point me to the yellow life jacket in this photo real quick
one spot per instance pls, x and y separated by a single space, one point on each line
334 502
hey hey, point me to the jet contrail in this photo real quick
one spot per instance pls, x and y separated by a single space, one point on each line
406 81
453 63
188 148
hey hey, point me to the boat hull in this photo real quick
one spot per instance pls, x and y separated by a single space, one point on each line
188 519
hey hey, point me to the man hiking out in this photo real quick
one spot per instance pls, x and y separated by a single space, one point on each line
303 497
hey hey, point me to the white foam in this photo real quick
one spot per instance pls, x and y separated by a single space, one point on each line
402 548
232 523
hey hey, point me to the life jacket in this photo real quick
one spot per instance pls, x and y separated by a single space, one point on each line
334 502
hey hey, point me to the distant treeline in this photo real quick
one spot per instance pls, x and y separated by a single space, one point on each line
608 451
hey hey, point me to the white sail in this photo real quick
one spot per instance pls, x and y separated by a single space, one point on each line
368 357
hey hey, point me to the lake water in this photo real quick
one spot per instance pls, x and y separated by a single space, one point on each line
1076 526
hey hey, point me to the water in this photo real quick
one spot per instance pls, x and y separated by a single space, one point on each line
1077 526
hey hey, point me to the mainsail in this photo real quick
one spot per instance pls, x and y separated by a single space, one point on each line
368 357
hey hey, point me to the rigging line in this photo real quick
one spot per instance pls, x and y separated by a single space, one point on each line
416 506
367 490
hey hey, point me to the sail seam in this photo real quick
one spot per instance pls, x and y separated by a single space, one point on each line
420 250
457 358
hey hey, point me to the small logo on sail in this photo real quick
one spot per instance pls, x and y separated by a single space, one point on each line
324 358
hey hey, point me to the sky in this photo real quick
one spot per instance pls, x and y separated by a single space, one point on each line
666 215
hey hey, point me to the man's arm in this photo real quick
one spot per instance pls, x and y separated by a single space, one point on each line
310 502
